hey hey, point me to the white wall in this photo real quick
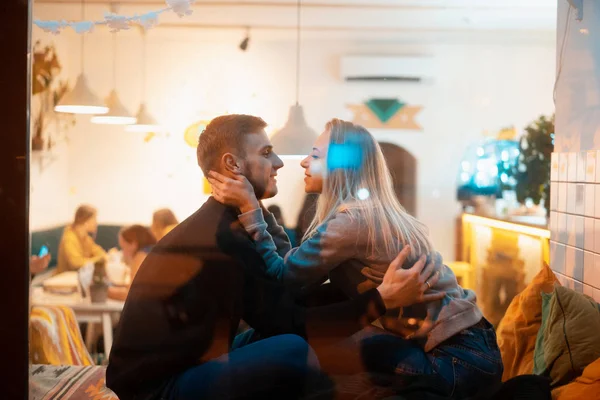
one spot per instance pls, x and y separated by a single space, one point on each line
479 85
49 171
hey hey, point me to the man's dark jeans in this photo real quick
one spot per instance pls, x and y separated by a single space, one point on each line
279 367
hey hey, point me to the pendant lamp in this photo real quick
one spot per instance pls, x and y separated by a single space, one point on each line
295 138
145 121
117 113
81 100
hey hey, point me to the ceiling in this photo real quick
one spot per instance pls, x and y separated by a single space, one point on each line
344 18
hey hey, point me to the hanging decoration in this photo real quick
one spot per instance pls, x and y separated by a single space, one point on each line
46 86
117 22
386 114
192 133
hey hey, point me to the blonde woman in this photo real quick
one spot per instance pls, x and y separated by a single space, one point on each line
77 246
163 221
358 229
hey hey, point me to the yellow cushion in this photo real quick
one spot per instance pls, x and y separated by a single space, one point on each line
518 329
55 338
586 387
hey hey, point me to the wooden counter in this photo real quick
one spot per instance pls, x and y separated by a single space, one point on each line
504 256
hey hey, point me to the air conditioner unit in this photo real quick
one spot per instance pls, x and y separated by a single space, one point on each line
386 68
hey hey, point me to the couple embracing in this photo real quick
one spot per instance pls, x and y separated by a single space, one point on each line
365 292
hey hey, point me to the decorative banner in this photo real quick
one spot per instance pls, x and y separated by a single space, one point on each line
117 22
386 114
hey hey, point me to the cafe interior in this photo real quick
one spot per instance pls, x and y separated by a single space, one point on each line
486 111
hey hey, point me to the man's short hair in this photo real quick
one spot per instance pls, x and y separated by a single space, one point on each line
225 134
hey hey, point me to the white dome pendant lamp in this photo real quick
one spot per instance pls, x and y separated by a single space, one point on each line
117 113
81 100
145 121
295 138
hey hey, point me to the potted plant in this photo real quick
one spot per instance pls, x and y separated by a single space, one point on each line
532 172
99 286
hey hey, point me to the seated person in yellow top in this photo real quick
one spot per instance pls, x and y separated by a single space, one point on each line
77 246
163 221
135 241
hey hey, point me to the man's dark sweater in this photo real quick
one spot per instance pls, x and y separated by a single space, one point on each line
188 297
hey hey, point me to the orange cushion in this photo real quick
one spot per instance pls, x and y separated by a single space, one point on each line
585 387
518 329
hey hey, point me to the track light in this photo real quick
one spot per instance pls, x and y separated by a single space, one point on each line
244 43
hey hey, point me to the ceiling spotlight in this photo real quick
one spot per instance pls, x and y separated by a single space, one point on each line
244 43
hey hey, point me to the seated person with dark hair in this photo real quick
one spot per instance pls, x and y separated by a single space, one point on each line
174 339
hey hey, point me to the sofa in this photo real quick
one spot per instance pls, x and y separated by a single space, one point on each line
547 330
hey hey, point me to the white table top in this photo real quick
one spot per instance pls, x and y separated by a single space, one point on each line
41 298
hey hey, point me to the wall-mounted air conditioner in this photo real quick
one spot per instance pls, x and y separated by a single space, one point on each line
386 68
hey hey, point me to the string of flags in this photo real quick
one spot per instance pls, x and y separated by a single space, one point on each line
117 22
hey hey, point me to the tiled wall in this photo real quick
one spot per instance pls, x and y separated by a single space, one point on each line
575 220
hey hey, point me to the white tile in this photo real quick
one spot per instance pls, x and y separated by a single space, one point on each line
597 200
579 232
588 267
571 198
554 226
590 167
557 259
581 159
597 235
579 199
572 167
579 263
589 208
562 197
554 167
596 296
562 228
596 274
554 195
571 234
588 234
588 290
569 261
563 166
597 166
578 286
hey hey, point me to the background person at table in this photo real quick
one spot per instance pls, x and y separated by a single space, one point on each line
77 246
39 264
163 221
135 241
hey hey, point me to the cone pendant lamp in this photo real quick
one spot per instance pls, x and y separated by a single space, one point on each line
296 138
117 113
145 121
81 100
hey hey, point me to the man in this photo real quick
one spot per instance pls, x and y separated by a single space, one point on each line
188 297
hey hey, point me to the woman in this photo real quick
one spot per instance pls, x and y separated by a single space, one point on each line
77 246
163 221
358 228
135 241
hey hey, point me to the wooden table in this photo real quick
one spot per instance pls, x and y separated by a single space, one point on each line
85 311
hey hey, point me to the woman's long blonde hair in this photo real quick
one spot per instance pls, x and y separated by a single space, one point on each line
358 181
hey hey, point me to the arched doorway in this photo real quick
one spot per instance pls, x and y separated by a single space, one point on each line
403 167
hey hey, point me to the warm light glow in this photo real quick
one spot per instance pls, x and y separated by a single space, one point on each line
113 120
89 110
298 157
508 226
143 128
